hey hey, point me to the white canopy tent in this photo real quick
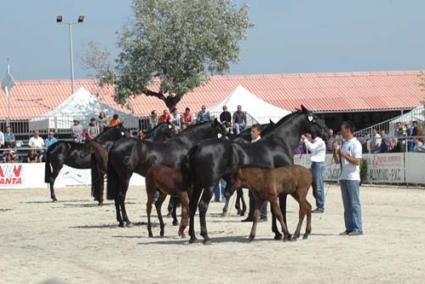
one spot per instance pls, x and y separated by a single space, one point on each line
80 106
256 109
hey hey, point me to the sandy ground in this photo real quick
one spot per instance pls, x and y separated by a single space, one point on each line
75 241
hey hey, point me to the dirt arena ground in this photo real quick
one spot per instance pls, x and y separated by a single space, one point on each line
75 241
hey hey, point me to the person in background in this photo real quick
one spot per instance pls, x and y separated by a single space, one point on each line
32 156
395 146
1 139
203 115
418 146
176 120
9 138
77 132
385 143
114 121
239 120
375 142
50 140
255 137
93 129
317 148
37 144
330 141
187 118
165 116
141 135
153 120
226 118
9 156
349 155
102 121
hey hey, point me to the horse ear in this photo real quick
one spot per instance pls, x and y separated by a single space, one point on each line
304 109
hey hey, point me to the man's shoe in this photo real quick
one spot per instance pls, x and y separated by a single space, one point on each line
345 233
355 233
318 210
247 220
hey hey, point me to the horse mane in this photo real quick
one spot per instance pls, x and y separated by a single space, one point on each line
157 126
192 126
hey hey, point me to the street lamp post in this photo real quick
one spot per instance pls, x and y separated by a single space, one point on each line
80 20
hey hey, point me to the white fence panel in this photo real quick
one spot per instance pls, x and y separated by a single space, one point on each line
415 165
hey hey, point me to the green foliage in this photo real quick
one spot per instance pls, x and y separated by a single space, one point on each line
179 43
363 170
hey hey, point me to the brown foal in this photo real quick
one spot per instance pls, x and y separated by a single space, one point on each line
268 184
168 181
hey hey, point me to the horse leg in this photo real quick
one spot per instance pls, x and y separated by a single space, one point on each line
282 204
301 213
121 197
185 213
203 208
158 205
308 228
52 183
237 202
192 211
243 203
149 210
118 212
226 207
102 188
175 201
256 217
278 214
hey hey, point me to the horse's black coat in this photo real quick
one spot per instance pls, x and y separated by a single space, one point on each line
75 155
130 155
210 160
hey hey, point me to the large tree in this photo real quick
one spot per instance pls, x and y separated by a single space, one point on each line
174 45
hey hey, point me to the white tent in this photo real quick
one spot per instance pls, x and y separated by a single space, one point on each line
256 109
80 106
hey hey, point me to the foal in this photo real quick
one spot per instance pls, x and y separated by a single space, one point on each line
168 181
268 184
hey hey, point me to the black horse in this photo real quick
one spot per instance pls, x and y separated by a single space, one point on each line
75 155
99 156
211 160
129 155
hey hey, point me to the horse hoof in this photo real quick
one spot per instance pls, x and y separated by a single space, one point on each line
278 237
305 237
129 224
207 242
251 238
182 235
192 240
242 214
175 223
54 199
150 235
294 239
121 225
100 204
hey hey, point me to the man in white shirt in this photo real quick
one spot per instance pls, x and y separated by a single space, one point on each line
317 148
37 143
349 156
1 139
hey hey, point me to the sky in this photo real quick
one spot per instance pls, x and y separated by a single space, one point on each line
289 36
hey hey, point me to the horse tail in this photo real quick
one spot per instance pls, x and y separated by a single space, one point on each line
187 178
112 179
96 179
47 168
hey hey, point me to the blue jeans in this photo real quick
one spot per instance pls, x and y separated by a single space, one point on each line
239 127
350 190
219 191
317 169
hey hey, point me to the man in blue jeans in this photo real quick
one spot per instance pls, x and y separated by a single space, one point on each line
317 148
349 156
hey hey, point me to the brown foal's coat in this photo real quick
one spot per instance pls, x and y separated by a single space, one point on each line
267 184
166 180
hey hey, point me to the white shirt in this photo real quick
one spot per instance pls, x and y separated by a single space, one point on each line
350 171
1 138
36 143
256 139
317 148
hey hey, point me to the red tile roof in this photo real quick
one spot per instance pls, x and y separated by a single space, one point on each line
321 92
